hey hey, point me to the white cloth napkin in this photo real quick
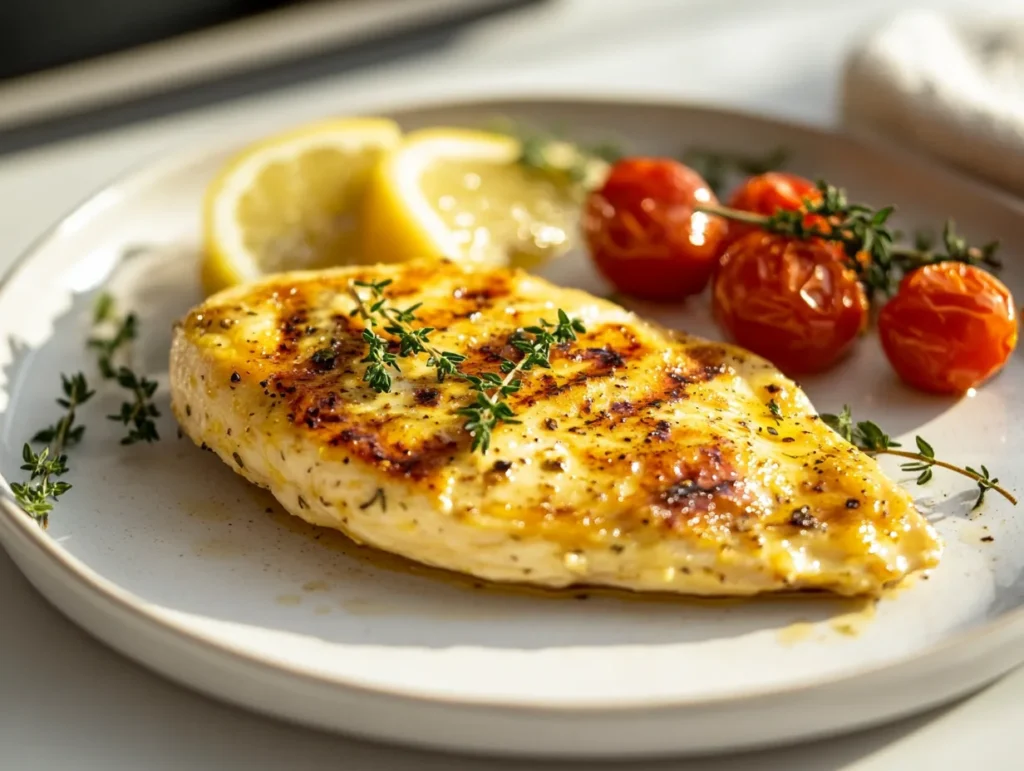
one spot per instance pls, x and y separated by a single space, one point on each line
950 88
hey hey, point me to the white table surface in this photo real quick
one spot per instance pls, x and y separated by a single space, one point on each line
66 702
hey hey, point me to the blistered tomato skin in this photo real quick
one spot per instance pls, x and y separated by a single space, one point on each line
793 302
767 194
643 232
949 328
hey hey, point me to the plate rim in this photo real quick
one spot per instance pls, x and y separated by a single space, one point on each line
121 601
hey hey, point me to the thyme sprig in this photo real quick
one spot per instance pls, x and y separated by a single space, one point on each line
490 407
37 495
398 322
718 167
582 166
138 412
579 164
866 238
871 439
125 330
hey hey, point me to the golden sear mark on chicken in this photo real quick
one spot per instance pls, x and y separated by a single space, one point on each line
644 458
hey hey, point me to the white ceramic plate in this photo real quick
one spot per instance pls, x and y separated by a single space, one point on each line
168 556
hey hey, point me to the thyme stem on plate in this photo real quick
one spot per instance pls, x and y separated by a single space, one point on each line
869 438
583 166
36 496
717 167
864 235
579 164
138 412
109 347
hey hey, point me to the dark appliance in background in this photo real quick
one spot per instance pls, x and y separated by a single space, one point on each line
75 66
37 35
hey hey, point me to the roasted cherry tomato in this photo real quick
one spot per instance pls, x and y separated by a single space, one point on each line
766 194
645 236
792 301
950 327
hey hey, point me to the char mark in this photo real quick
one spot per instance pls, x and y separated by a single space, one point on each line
427 397
682 494
396 458
605 358
803 519
662 431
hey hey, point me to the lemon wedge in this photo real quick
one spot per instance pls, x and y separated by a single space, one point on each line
292 201
463 194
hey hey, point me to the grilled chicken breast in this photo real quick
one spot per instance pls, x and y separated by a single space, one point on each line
644 459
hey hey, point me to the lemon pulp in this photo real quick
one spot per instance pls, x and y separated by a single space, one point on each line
503 213
301 214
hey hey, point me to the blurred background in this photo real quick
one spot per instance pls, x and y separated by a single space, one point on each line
65 58
74 67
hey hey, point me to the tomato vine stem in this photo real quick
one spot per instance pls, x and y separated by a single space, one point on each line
864 235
